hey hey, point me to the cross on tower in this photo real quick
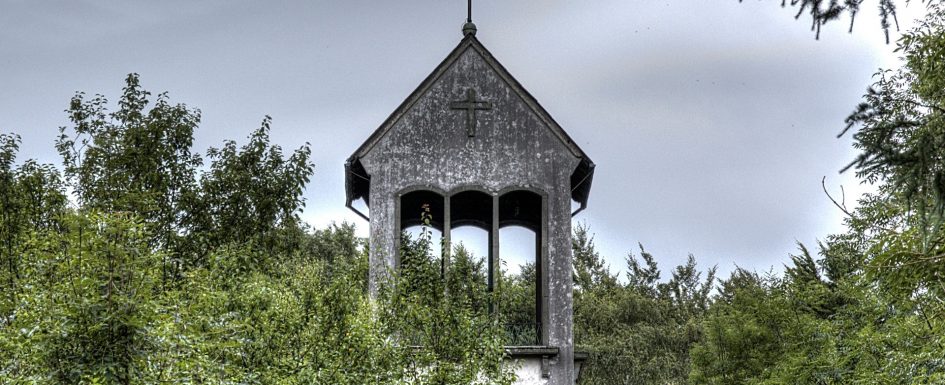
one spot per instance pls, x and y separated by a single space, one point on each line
471 105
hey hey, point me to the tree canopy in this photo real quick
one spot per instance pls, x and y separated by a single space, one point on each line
163 270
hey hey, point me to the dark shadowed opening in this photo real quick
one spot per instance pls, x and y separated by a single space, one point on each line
415 206
520 208
422 210
471 208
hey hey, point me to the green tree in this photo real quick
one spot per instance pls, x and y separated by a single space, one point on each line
588 266
643 279
139 159
639 332
805 330
31 198
742 331
901 136
136 159
251 193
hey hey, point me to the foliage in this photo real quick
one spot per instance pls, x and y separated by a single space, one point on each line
30 198
638 332
94 310
250 193
86 296
822 12
157 276
589 269
805 329
135 159
870 309
902 136
518 307
139 159
443 313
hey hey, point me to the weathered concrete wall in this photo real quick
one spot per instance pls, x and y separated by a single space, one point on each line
513 148
528 371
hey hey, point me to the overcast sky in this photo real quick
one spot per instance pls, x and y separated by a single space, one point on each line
711 122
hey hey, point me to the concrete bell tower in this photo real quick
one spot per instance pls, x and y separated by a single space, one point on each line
472 144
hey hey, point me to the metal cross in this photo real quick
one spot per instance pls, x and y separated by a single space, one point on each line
471 105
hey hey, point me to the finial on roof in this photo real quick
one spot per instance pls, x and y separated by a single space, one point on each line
469 27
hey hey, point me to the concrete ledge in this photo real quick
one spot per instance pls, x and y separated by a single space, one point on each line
531 351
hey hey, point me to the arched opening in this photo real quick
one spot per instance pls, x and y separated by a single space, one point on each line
421 207
421 220
471 208
520 208
476 221
520 223
471 221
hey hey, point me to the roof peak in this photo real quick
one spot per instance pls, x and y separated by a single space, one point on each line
357 181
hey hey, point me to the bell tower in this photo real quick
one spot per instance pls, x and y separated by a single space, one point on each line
477 149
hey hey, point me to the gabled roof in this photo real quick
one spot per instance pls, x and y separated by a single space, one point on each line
357 182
